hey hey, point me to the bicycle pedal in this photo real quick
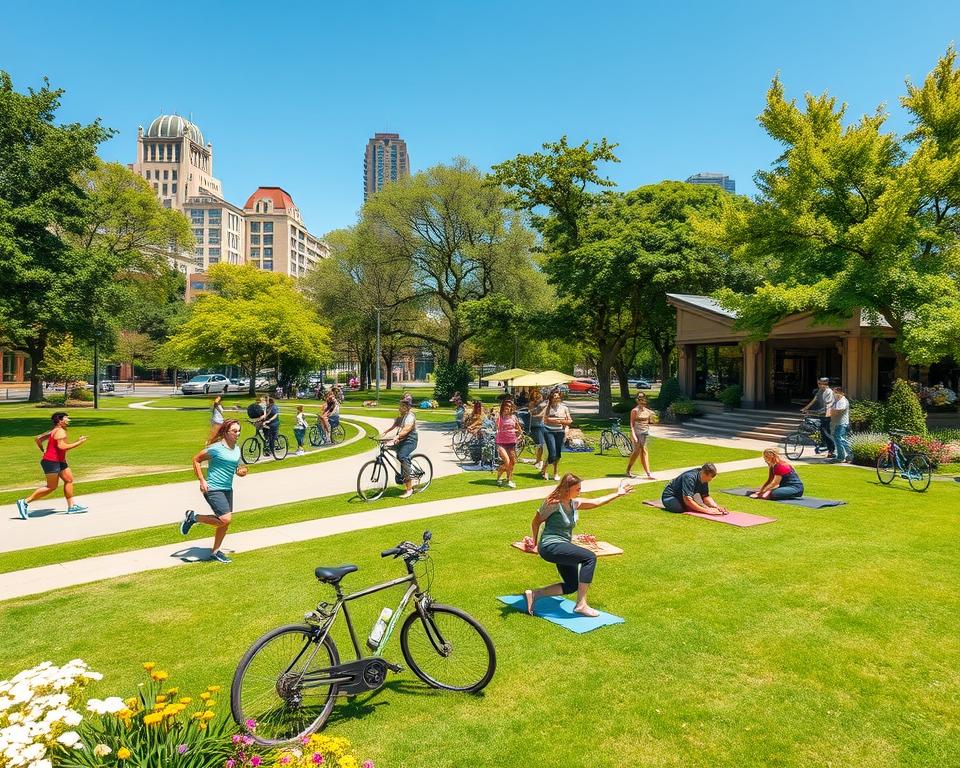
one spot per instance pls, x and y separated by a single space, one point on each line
393 667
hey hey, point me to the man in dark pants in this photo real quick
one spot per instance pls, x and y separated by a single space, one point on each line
821 404
682 493
271 425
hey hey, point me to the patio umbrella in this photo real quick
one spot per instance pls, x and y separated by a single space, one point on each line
507 375
542 379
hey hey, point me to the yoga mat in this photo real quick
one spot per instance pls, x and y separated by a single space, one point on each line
738 519
600 548
559 610
804 501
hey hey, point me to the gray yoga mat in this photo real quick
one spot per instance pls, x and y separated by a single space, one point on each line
804 501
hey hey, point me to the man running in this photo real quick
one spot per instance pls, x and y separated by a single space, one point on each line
54 466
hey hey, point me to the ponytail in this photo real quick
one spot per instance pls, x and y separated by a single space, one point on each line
222 431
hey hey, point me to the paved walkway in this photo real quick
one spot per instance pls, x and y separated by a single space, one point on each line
133 508
50 577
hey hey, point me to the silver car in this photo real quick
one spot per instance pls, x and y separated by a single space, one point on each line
205 384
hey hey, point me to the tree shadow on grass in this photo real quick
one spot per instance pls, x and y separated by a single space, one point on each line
31 426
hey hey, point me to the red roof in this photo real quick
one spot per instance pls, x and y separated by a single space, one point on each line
280 197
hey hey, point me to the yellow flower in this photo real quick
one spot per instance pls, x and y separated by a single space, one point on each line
211 703
347 761
149 665
161 699
173 692
213 688
204 695
153 718
124 714
133 702
208 715
123 753
185 700
159 675
157 707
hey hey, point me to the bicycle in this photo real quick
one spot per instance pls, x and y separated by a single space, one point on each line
288 680
374 476
317 437
256 446
615 438
912 466
808 433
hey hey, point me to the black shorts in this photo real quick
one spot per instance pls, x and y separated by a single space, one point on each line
52 467
221 502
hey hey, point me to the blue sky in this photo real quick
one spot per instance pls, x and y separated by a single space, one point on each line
291 100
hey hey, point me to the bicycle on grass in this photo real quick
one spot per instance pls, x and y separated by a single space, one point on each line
374 476
258 445
895 460
615 438
808 433
288 681
317 437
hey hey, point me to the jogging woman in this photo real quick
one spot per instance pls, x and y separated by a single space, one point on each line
538 407
222 455
783 482
54 466
555 422
300 429
216 416
640 419
405 443
509 431
558 516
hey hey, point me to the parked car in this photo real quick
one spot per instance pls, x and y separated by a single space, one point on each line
639 384
107 386
205 384
583 386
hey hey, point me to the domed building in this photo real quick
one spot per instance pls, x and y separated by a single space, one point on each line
173 158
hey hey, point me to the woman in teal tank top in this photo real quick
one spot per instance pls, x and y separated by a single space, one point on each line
558 516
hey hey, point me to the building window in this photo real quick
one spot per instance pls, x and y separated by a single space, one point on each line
156 187
268 226
254 253
268 239
254 226
174 174
198 263
9 366
300 234
164 189
198 235
198 251
268 253
173 189
268 265
293 243
166 174
148 176
254 239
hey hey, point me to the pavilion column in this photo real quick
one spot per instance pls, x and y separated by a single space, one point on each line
687 369
852 375
753 374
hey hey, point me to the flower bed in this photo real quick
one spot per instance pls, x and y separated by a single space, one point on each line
867 447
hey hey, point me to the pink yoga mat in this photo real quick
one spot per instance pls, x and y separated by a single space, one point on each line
739 519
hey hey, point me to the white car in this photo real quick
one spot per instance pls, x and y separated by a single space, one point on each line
205 384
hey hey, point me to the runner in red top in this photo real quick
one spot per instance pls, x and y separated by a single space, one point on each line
54 465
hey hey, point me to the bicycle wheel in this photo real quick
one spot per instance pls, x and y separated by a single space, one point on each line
793 446
526 446
337 434
463 450
448 649
280 447
268 686
250 451
606 440
886 468
459 437
315 435
622 443
372 480
421 470
919 473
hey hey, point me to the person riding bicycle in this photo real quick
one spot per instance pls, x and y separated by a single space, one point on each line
271 424
329 417
821 404
256 413
405 443
459 407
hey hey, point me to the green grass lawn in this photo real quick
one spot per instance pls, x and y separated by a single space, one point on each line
826 638
664 454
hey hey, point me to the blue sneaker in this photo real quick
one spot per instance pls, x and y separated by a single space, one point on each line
189 520
22 509
220 557
76 509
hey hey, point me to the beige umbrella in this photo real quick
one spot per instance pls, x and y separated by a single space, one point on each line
507 375
542 379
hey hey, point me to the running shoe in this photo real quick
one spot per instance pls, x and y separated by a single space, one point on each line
189 520
556 477
76 509
406 494
511 484
220 557
22 509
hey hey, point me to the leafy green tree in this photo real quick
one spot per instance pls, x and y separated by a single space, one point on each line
853 216
249 318
903 410
134 348
66 362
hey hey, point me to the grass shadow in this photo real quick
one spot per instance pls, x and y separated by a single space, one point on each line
31 426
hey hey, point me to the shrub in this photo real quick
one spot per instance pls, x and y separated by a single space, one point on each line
681 410
669 393
933 449
452 378
946 435
82 394
903 410
866 415
866 447
731 396
623 406
54 400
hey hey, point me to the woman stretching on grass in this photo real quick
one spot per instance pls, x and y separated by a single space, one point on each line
783 482
222 455
54 466
558 516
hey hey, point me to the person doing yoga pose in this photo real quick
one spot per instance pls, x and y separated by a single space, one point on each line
681 492
783 482
558 515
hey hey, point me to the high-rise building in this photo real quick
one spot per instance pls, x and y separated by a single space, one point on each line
385 160
277 238
715 180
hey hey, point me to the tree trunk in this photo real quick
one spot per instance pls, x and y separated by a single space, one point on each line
388 362
252 390
607 359
665 356
621 369
36 352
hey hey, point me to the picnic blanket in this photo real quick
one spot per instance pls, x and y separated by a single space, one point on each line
600 548
738 519
559 610
810 502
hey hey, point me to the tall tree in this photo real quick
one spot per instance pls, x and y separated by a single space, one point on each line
852 216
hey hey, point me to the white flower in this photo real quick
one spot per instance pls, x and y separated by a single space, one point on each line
96 705
69 738
102 750
113 705
41 764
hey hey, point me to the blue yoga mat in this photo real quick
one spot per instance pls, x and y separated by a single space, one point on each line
559 610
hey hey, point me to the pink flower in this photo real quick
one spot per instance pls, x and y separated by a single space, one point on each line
229 764
367 764
255 760
236 738
251 724
317 758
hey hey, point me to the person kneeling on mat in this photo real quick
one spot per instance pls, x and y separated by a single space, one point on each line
558 516
681 492
783 482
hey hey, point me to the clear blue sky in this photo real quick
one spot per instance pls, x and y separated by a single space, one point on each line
291 100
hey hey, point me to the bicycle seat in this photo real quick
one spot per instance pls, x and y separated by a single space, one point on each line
331 574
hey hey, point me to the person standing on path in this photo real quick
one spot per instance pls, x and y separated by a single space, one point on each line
222 455
54 466
558 515
840 425
405 443
538 407
821 404
271 425
641 418
216 416
300 429
509 432
682 493
555 422
783 482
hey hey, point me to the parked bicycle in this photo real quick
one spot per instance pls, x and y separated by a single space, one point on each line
374 476
256 446
317 437
895 460
615 438
288 681
808 433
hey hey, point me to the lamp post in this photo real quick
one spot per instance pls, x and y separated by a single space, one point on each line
377 310
96 370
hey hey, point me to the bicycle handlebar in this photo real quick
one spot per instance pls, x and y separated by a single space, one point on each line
408 548
392 551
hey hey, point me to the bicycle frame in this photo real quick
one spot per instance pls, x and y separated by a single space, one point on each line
896 452
385 459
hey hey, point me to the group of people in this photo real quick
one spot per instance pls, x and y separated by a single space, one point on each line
833 408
